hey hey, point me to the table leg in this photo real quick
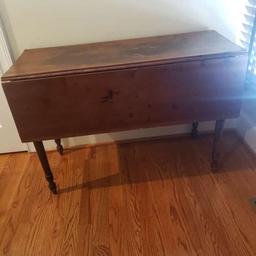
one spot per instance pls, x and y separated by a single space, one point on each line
194 131
217 134
59 146
39 146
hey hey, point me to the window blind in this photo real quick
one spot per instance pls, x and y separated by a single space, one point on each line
248 40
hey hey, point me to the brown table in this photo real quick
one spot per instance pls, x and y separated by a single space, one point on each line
112 86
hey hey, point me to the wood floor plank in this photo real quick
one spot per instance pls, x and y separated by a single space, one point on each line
148 198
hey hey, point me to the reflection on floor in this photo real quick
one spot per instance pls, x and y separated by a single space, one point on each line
155 197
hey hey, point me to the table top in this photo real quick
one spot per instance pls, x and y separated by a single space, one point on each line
131 53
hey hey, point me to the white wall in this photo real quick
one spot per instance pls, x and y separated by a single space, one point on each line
246 124
37 23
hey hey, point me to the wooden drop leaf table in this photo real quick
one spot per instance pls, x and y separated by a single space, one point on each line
85 89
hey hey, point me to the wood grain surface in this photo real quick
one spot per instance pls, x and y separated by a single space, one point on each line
142 198
127 99
55 61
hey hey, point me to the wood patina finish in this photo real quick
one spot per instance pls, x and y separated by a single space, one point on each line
113 86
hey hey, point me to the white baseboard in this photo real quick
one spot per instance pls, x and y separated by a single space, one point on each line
246 128
133 134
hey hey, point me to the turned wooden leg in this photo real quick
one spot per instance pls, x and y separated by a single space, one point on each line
194 131
217 134
59 146
39 146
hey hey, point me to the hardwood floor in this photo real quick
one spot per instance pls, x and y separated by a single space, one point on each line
147 198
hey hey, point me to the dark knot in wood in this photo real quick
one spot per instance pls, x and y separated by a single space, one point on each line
109 97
